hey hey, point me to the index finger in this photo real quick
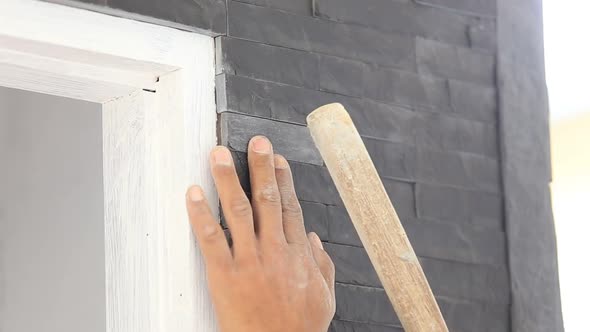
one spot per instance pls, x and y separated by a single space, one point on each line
208 232
236 206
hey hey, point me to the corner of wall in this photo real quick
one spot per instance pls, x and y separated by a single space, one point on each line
526 168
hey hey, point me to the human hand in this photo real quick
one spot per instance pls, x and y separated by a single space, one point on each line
274 278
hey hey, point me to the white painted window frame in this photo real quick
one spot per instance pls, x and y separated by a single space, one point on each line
156 87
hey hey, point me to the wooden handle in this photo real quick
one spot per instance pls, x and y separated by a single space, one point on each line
375 219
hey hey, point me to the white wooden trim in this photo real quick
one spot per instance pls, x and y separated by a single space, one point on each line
95 32
97 50
156 85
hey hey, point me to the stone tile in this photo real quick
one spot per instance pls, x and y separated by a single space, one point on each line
398 16
456 242
364 305
520 34
315 216
342 75
526 153
450 133
405 88
526 170
269 100
463 207
448 61
314 184
357 79
383 121
402 196
340 227
94 2
480 283
474 102
343 326
533 257
482 35
447 278
392 160
208 15
292 104
352 265
466 316
241 163
432 239
237 130
458 169
474 7
371 306
294 6
270 63
321 36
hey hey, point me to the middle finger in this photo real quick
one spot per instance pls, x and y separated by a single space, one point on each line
266 200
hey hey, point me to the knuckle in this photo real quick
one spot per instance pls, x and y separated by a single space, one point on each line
248 264
276 252
240 207
211 233
329 264
268 195
292 207
273 245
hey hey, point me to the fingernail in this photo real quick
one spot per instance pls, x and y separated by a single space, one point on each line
261 144
281 162
195 194
221 156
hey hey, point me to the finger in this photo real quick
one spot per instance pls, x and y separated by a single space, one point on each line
292 216
323 260
208 232
236 206
266 200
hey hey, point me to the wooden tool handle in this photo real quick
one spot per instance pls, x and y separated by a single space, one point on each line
375 219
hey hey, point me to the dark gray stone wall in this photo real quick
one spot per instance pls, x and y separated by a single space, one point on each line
419 81
526 168
206 16
449 96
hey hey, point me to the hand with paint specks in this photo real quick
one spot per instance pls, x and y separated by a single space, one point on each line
274 278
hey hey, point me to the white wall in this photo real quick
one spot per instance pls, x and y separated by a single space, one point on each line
51 214
571 194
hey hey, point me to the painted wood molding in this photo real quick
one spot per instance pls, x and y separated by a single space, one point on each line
156 86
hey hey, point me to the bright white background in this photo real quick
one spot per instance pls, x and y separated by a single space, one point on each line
567 55
567 52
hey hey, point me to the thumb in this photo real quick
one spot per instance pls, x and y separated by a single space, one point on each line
322 259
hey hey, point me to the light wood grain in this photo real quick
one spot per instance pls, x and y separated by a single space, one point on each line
155 144
375 219
38 21
155 279
129 224
80 54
